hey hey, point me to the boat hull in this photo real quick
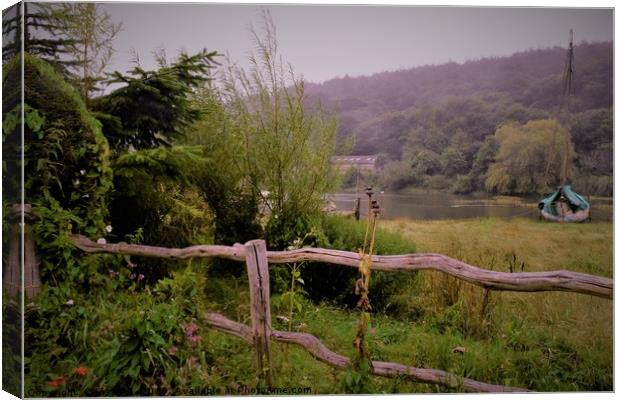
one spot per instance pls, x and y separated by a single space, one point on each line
569 216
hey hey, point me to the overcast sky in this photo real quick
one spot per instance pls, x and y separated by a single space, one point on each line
323 42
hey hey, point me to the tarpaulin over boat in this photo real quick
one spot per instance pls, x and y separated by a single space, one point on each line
575 201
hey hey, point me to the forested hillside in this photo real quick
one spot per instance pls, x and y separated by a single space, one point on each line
435 125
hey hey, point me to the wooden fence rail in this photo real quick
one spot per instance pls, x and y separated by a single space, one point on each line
560 280
260 333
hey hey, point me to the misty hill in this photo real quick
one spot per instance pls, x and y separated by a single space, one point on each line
434 125
529 81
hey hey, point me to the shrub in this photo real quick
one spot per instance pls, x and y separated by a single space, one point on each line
336 282
83 344
66 155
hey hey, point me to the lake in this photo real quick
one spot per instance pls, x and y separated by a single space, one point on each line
437 205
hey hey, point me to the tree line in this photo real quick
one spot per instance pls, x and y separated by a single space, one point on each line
440 126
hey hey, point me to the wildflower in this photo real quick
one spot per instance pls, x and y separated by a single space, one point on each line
190 329
108 228
113 274
194 339
70 302
81 371
82 172
101 241
131 265
56 382
140 277
173 350
132 276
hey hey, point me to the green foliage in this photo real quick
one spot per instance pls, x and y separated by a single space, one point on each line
283 150
155 193
292 300
66 156
337 283
397 175
449 111
153 347
152 108
358 380
529 158
592 133
39 38
222 183
11 345
88 32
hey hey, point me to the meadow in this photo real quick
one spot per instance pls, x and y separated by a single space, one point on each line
543 341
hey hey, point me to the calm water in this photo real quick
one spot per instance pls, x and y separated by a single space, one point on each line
434 205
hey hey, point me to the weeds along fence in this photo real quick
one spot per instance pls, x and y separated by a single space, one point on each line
260 333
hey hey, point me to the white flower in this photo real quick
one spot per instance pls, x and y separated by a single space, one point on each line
82 171
108 228
101 241
69 303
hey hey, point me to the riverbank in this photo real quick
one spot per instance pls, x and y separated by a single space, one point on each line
421 204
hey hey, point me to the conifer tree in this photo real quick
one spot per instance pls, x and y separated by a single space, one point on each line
153 107
38 26
90 32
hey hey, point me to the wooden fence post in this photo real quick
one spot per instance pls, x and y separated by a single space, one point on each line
13 270
258 277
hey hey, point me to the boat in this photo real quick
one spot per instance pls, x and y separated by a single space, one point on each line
564 205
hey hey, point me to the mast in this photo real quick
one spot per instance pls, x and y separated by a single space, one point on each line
567 90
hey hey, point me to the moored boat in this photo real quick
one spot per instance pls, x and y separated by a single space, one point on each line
564 205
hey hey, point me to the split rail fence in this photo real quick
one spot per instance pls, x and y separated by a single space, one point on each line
260 333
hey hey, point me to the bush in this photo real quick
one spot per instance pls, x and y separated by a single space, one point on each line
83 344
336 283
66 155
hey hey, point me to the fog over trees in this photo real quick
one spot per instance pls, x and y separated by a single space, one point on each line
435 124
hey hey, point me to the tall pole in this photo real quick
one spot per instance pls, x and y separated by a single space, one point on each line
564 112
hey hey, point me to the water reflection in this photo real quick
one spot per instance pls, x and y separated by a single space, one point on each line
437 205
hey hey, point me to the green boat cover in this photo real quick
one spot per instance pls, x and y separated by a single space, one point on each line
575 201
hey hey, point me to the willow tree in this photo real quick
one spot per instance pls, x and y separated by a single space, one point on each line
282 150
530 157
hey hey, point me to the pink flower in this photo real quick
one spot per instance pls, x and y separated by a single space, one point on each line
190 329
173 350
140 277
194 339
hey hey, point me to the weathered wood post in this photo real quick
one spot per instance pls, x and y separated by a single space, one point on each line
13 270
258 277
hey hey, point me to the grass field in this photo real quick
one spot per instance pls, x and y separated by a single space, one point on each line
154 338
551 341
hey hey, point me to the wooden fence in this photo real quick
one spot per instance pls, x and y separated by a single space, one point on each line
260 333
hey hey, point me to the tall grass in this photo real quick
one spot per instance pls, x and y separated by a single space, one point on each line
547 341
581 325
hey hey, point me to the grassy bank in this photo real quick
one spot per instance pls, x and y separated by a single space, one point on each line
153 336
547 341
582 324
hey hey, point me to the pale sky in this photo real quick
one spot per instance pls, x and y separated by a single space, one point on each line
323 42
